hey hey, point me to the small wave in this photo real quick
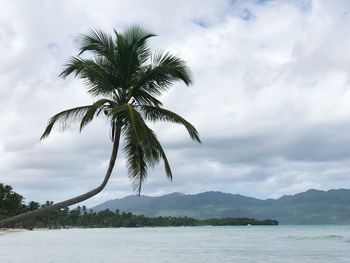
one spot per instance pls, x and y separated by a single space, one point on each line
332 237
323 237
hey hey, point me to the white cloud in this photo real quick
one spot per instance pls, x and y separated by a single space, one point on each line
271 96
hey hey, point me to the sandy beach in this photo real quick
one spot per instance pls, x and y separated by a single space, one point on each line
7 230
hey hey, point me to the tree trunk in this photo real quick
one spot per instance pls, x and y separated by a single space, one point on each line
8 222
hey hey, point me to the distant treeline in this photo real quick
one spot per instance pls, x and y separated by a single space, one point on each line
81 217
12 203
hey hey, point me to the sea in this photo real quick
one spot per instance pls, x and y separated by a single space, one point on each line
179 244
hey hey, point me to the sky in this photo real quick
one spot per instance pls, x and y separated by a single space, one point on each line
270 99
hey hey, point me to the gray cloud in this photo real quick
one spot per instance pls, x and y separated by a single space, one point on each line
270 99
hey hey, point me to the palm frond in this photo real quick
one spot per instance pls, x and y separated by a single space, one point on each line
133 51
82 114
137 166
157 151
142 97
98 80
137 38
65 118
171 68
142 149
94 110
165 70
136 34
160 114
100 44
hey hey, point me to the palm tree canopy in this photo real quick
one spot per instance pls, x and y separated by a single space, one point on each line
127 79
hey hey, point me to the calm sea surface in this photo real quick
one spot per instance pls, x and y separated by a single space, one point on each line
181 244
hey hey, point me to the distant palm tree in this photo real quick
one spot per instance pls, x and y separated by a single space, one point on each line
126 78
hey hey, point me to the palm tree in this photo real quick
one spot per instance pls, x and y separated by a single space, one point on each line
126 78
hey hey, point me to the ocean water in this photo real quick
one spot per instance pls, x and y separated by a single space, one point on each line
179 244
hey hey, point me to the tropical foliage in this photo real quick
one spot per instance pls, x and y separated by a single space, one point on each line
11 203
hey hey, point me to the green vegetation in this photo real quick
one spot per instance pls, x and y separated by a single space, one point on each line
80 217
231 221
126 79
12 203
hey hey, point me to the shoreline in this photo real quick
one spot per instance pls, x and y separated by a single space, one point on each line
7 230
11 230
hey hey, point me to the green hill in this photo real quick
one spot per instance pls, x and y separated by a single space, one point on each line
310 207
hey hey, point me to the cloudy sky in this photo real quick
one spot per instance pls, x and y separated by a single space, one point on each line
271 96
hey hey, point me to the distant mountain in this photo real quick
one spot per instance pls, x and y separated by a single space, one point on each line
310 207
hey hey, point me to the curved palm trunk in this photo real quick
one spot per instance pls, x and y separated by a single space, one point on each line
42 211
